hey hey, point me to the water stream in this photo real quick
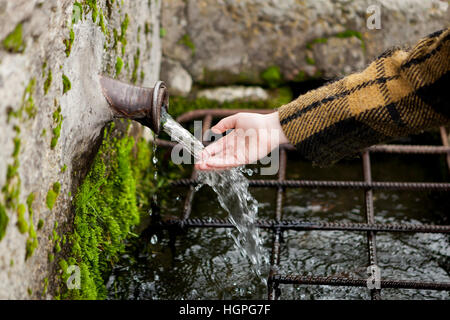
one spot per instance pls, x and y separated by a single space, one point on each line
231 187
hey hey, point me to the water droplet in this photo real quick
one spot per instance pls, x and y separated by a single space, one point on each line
154 239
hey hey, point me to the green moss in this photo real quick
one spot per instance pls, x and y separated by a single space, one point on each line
44 132
57 119
30 292
187 41
57 187
4 220
353 33
31 246
119 65
69 42
11 188
14 41
162 32
77 12
22 224
40 224
134 75
57 114
106 209
349 34
16 147
48 81
301 76
64 168
44 291
109 7
51 257
341 35
92 7
63 265
28 101
11 263
57 247
116 39
310 61
122 38
30 200
102 23
317 40
51 199
272 76
44 66
67 85
55 236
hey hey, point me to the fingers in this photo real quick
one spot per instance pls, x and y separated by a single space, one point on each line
222 163
225 124
216 150
210 151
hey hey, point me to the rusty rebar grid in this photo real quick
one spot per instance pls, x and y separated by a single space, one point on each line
388 185
353 282
278 225
300 225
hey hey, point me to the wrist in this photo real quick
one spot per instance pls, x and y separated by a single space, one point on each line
274 124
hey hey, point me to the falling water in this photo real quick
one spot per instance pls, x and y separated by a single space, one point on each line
231 188
155 180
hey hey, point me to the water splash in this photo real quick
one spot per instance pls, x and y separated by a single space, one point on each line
231 188
154 239
155 170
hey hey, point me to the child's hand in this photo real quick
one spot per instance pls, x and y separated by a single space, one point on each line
254 137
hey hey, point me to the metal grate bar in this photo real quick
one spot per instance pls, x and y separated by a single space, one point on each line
278 225
274 291
445 141
299 225
371 238
416 186
351 282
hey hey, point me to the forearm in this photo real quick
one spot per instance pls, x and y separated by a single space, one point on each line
400 93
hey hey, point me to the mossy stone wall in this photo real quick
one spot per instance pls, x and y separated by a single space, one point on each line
52 115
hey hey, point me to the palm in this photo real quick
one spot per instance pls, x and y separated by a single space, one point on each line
252 138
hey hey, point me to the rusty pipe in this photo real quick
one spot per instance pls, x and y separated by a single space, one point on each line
136 103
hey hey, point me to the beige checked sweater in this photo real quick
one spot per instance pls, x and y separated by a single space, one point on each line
402 92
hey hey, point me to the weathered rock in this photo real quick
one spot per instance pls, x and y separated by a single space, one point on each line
51 106
231 93
176 77
231 41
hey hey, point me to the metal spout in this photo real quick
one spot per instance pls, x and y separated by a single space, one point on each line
136 103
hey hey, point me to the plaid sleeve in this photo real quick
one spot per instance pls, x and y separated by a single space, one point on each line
400 93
